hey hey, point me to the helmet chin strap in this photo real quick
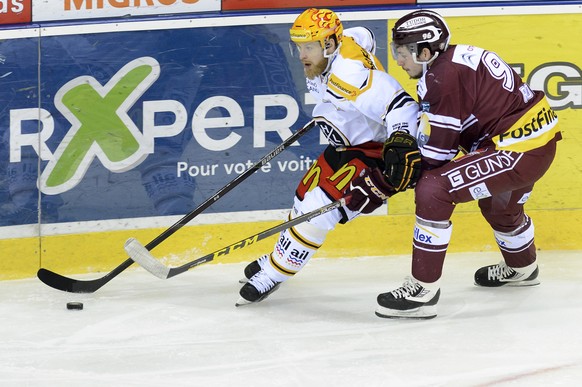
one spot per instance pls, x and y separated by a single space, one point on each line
424 64
330 57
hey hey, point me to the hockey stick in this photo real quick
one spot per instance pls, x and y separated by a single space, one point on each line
67 284
143 257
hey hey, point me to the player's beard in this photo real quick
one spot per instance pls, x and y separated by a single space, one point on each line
316 69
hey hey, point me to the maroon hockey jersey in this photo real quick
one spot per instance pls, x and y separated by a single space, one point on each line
470 99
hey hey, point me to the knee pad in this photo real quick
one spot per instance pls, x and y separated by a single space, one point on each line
432 197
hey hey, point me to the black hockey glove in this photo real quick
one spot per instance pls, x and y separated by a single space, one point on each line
368 191
401 161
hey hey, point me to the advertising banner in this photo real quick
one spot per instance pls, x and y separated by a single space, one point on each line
47 10
15 11
440 2
232 5
149 123
18 88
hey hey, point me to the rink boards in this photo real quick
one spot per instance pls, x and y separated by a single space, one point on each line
191 104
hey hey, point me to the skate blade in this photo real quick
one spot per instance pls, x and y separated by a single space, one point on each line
515 284
533 282
422 313
242 302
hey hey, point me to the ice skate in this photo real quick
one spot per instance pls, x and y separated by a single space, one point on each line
412 300
253 268
503 275
257 288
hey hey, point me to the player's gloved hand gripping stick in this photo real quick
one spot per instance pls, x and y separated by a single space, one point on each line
67 284
402 161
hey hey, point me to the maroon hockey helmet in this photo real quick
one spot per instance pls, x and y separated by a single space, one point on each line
421 27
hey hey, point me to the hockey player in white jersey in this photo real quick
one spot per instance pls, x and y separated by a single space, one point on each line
370 123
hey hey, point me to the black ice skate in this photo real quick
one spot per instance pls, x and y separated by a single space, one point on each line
253 268
257 289
503 275
411 300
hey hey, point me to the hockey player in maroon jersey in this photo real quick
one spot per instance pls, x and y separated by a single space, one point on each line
367 118
470 100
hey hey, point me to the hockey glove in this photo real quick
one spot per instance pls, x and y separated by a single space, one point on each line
368 191
401 161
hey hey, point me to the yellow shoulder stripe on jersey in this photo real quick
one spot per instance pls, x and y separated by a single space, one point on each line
346 90
352 50
533 130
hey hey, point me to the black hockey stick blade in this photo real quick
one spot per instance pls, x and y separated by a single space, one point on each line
144 258
67 284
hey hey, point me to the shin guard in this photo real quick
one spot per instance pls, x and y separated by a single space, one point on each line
517 247
430 243
293 250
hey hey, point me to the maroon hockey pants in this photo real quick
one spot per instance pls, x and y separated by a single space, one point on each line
500 181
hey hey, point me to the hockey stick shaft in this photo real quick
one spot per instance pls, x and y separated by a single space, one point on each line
143 257
67 284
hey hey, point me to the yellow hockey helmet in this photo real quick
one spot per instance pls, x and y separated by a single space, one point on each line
316 25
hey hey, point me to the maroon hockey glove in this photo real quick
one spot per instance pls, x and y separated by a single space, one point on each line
401 161
368 191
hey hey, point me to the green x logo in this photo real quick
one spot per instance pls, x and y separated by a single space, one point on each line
100 126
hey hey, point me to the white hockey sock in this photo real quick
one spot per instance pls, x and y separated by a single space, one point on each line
293 250
518 240
517 247
432 236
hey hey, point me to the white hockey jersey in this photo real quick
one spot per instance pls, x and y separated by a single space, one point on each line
357 101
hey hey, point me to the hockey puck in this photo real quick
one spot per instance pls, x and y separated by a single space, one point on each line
75 305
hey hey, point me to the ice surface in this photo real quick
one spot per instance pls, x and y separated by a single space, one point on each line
319 329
